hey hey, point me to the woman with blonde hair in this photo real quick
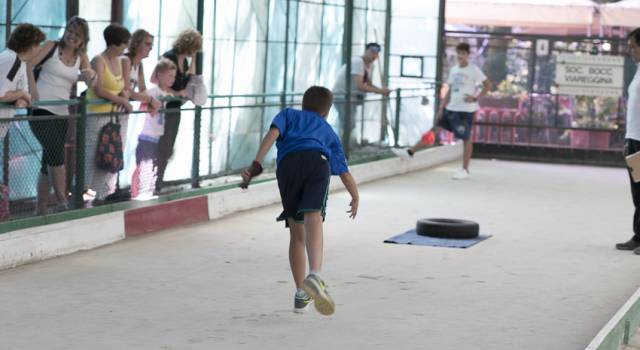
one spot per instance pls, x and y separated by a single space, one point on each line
188 44
139 47
60 64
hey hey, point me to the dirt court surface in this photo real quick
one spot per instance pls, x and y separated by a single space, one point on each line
549 277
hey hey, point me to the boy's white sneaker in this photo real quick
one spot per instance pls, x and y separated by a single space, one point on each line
461 175
402 153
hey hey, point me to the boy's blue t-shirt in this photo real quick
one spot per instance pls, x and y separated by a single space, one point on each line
305 131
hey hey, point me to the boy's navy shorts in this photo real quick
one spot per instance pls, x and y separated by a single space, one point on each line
303 180
459 123
146 150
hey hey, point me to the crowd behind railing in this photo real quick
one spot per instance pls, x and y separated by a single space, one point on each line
36 72
82 133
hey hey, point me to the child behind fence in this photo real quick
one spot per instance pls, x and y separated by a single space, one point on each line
144 176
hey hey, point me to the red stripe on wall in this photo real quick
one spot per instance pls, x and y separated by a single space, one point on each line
166 215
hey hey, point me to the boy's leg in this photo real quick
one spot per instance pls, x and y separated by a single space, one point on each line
43 194
468 143
313 285
314 243
135 182
466 157
297 254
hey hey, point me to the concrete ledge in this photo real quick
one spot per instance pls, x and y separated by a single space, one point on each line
620 328
166 215
267 193
42 242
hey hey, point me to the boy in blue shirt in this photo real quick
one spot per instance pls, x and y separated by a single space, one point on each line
309 152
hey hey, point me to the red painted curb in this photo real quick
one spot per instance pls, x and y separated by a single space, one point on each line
166 215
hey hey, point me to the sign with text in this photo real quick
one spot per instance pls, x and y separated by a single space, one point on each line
588 75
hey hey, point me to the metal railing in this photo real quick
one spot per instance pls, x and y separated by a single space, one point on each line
21 153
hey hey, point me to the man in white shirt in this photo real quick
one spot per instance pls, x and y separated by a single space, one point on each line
361 68
632 138
461 103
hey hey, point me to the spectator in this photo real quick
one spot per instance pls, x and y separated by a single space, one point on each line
112 84
632 139
22 45
61 63
361 68
188 44
144 177
139 48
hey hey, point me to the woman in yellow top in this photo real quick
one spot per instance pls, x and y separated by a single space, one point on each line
112 84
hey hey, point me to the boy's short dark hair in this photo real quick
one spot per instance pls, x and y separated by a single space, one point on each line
317 99
373 45
463 47
635 34
116 35
24 37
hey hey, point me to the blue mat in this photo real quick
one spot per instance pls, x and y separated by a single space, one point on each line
413 238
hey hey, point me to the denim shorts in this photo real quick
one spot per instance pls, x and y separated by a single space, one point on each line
459 123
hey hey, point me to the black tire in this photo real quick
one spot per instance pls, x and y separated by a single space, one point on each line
448 228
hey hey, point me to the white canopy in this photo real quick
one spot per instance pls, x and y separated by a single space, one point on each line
521 13
625 13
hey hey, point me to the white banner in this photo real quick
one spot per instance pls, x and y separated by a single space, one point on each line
589 75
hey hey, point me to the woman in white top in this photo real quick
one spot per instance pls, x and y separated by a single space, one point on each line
61 63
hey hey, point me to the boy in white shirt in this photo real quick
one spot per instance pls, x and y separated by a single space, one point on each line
459 106
144 176
461 103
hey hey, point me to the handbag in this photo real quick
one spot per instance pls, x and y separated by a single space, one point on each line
110 155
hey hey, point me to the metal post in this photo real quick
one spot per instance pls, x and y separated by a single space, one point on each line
440 56
264 75
80 153
213 85
197 123
626 331
286 56
6 141
396 128
7 21
385 74
347 53
116 11
73 7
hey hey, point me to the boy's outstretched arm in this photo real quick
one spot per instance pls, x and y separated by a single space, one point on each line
267 142
256 167
350 185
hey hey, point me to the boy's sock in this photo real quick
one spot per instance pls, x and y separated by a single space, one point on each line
315 273
300 293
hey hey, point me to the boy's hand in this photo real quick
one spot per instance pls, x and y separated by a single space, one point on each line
354 208
155 103
252 171
21 103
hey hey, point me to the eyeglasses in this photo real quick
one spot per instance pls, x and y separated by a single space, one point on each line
77 20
